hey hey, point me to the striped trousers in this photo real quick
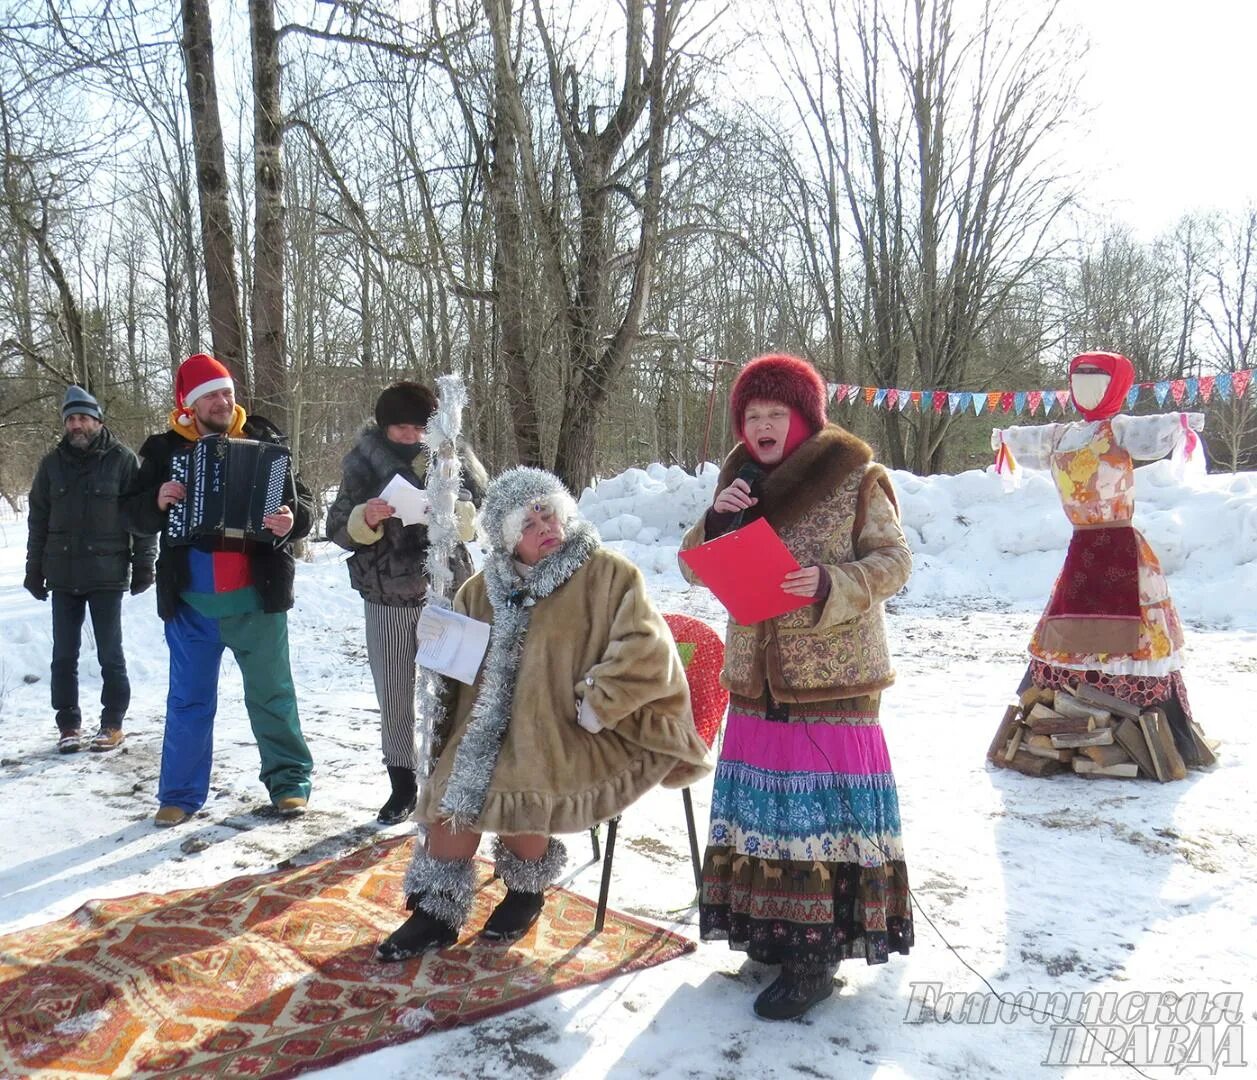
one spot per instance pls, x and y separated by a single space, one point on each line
391 646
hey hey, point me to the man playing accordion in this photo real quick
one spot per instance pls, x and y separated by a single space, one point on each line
216 593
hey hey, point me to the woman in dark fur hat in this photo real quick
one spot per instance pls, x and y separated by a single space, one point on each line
804 864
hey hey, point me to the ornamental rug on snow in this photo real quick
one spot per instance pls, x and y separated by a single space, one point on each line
272 975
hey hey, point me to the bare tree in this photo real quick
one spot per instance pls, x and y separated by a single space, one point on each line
936 130
599 162
1229 310
270 361
217 233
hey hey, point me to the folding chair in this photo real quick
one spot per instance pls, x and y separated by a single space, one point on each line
702 655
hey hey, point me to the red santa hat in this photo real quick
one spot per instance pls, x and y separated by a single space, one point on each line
198 375
787 379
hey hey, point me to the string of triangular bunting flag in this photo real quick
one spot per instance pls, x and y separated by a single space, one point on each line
1183 392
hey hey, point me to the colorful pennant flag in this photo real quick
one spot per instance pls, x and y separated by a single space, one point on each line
1185 392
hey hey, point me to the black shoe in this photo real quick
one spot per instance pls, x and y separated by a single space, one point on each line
514 916
420 933
401 804
792 993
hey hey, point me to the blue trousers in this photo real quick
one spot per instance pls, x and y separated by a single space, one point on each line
259 643
68 610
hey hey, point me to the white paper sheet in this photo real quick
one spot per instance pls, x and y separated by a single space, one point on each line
411 504
450 643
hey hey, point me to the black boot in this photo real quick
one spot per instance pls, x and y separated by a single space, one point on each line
525 881
439 892
792 993
401 804
514 916
420 933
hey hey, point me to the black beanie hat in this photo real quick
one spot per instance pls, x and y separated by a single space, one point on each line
404 403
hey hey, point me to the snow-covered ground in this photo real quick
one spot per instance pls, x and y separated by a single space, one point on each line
1061 885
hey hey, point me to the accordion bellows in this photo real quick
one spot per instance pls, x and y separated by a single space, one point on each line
232 485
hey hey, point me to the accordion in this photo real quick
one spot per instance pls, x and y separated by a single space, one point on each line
232 484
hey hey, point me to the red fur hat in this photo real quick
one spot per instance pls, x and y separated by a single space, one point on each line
778 377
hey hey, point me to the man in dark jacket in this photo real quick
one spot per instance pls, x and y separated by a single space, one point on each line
388 565
213 598
78 547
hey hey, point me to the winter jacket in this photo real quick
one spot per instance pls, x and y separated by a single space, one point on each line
596 636
78 540
835 508
388 562
272 567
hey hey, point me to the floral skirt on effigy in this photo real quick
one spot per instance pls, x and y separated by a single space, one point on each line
804 863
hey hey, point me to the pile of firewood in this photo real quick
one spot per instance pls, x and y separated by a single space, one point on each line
1095 734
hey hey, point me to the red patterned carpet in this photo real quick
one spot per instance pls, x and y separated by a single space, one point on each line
269 976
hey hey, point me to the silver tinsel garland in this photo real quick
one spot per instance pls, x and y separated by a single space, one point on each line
443 481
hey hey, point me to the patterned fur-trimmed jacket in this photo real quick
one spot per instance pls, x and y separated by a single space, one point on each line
834 507
387 565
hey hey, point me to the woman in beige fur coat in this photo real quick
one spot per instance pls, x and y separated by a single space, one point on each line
804 863
579 708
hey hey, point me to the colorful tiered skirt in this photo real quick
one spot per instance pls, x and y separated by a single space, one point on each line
804 864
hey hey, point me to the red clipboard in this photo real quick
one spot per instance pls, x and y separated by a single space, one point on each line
744 569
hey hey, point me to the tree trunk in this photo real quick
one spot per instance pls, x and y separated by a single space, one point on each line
270 369
502 186
226 333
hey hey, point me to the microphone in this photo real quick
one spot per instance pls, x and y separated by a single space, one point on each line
750 474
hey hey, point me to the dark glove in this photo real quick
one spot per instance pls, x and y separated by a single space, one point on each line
141 579
34 584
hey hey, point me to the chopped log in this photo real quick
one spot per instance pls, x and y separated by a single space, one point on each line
1085 692
1059 726
1131 737
1125 770
1099 737
1014 743
1205 748
1004 733
1166 759
1039 711
1025 762
1052 754
1106 755
1041 746
1036 695
1068 705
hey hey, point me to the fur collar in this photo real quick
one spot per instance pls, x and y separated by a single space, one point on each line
807 476
383 461
512 600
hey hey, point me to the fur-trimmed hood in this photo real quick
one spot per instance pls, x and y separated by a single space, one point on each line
374 450
813 472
